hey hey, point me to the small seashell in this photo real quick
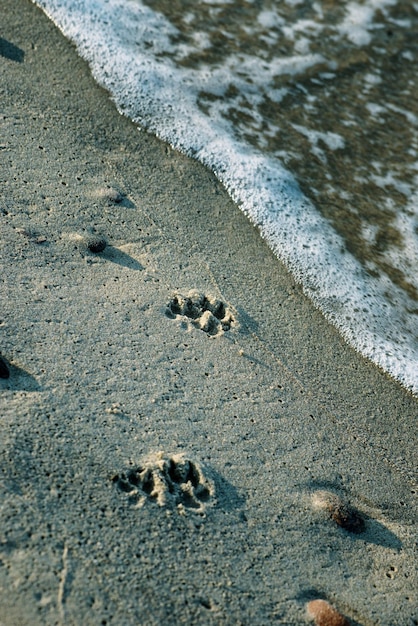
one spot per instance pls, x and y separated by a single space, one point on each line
324 614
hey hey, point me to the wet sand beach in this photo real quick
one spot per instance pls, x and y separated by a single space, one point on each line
184 439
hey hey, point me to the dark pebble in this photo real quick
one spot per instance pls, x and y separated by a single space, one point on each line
4 369
96 244
348 518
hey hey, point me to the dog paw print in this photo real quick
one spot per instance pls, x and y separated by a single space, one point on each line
167 480
207 313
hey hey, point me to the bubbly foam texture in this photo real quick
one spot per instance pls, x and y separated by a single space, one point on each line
244 96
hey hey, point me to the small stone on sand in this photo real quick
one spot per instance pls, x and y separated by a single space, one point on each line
96 244
340 511
111 194
324 614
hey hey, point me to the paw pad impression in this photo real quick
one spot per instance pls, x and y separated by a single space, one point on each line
205 312
167 480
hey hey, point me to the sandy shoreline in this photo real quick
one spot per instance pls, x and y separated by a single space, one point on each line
106 370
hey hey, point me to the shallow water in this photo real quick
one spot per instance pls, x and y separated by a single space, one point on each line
308 112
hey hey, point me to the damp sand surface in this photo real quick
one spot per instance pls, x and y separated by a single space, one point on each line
183 437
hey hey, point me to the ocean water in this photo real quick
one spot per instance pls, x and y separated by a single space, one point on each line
308 113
